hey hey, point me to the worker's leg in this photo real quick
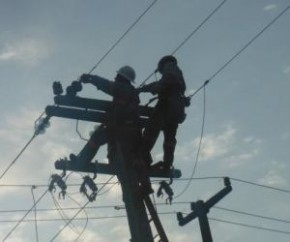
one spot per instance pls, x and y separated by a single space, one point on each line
169 144
98 138
150 135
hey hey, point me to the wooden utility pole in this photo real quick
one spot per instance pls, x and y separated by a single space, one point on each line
134 199
201 209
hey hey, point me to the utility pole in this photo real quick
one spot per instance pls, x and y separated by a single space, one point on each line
73 107
201 209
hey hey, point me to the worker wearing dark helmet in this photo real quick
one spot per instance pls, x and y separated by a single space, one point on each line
168 112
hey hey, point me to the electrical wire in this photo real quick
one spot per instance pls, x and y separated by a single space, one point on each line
112 47
177 180
245 46
35 214
86 216
76 214
250 226
20 221
23 149
78 132
17 157
253 215
189 36
167 213
118 207
62 214
123 35
198 150
218 71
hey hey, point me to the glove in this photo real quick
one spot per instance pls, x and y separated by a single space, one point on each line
86 78
140 89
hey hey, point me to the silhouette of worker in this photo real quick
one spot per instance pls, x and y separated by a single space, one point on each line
121 125
168 113
123 112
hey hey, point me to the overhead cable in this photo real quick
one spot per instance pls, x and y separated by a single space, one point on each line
35 214
76 214
167 213
22 219
38 130
123 35
190 35
198 150
244 48
250 226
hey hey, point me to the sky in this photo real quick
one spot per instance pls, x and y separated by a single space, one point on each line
246 127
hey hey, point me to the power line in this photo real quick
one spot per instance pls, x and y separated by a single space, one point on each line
109 51
123 35
176 180
35 213
59 232
260 185
190 35
160 213
250 226
38 129
199 148
237 180
17 157
246 46
19 222
199 26
253 215
157 204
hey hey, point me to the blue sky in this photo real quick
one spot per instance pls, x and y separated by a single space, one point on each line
246 133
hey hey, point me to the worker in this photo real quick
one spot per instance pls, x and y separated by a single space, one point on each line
121 125
122 113
168 113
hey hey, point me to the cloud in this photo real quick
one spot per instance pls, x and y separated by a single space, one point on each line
217 145
270 7
27 51
272 178
213 146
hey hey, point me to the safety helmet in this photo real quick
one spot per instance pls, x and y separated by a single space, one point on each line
127 72
166 59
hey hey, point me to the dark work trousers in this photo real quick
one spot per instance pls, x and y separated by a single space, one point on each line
151 132
98 138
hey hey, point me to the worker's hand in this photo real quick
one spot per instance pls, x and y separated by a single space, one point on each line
86 78
140 89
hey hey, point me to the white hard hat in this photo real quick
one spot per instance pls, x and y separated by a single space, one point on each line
127 72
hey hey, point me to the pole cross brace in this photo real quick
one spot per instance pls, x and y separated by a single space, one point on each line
200 209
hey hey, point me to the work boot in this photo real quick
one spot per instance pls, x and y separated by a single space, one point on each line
161 165
146 189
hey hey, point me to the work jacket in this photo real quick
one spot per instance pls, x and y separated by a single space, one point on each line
170 90
124 109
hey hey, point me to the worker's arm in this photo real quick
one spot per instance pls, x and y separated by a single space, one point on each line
99 82
153 88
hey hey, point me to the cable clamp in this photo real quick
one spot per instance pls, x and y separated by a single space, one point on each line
57 179
89 182
167 189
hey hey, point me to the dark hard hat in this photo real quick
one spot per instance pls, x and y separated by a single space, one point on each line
165 59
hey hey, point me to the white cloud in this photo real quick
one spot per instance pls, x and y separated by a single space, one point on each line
270 7
272 178
27 51
217 145
213 146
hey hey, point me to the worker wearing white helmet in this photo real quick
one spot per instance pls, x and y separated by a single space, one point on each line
121 122
123 111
